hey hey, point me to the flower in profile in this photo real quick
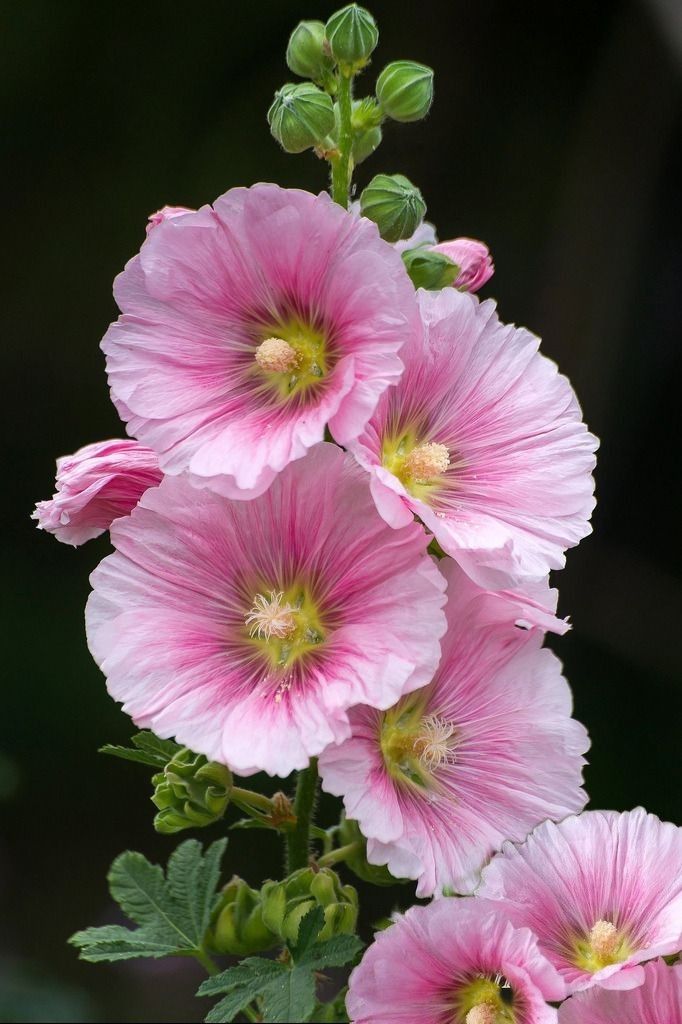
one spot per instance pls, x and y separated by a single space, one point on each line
473 258
483 440
602 891
95 486
247 629
483 753
658 1000
249 327
455 961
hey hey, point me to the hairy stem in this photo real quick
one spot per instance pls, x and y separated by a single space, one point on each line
298 840
248 800
338 855
343 163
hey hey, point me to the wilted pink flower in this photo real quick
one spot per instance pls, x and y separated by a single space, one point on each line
454 960
96 485
247 629
602 892
482 754
473 259
165 213
249 327
657 1001
483 440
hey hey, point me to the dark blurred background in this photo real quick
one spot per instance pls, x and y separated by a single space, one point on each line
555 137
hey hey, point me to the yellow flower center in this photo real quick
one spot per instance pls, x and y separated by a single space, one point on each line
419 465
484 1000
284 625
292 358
414 744
604 945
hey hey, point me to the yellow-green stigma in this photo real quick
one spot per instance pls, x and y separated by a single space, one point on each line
291 358
603 946
415 745
284 625
484 1000
419 465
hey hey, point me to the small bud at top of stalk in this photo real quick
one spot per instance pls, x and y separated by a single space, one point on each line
352 35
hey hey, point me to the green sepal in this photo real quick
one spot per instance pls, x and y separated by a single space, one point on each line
429 269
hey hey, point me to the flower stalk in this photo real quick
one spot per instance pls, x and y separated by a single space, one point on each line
298 839
342 164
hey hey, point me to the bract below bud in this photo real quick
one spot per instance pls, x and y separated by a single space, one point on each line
300 116
405 90
352 35
394 204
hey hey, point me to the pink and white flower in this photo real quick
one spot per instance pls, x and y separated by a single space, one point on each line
458 961
602 891
250 326
483 440
247 629
482 754
658 1000
95 486
473 258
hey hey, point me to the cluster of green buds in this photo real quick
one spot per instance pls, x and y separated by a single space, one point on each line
190 792
238 928
322 115
286 903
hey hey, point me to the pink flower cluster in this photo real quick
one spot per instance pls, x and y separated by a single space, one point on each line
333 533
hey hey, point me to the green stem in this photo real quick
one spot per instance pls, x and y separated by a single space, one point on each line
250 1014
247 799
298 840
340 854
342 164
206 962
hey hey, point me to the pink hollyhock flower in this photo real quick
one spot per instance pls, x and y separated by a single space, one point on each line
602 892
455 960
165 213
482 439
247 629
249 327
657 1001
96 485
473 259
482 754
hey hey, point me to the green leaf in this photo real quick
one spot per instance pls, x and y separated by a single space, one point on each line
172 912
309 928
147 749
335 952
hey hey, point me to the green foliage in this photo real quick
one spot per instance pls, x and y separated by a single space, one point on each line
428 269
172 912
147 749
190 792
284 989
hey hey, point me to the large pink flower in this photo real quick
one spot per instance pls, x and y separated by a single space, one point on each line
483 440
602 891
96 485
482 754
249 327
247 629
657 1001
455 961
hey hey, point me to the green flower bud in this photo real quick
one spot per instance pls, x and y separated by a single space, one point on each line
286 903
405 90
377 874
365 124
190 792
394 204
429 269
307 55
238 927
352 35
300 116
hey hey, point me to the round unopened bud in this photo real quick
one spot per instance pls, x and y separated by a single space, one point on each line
394 204
352 35
238 927
405 90
306 52
300 116
190 792
429 269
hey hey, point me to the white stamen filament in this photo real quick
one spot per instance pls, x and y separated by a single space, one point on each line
270 617
427 461
435 745
604 939
484 1013
275 355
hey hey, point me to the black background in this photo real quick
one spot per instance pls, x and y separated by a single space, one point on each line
554 137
